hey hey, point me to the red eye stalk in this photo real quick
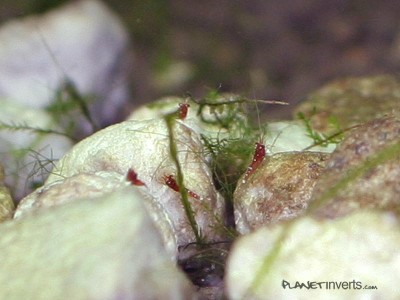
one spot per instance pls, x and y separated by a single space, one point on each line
132 177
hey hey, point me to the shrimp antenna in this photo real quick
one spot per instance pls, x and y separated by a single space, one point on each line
260 128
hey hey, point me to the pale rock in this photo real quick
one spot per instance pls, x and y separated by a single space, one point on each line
82 43
104 248
203 119
160 108
69 189
350 101
143 146
376 186
286 136
88 186
362 247
279 189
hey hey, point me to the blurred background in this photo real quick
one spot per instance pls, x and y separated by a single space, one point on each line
264 49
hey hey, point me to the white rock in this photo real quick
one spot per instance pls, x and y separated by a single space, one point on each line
158 109
68 190
206 122
104 248
82 42
358 250
144 147
88 186
287 136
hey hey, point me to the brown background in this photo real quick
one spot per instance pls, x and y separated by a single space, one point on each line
276 49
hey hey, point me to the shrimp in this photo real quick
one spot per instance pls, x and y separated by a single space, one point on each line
132 177
259 152
183 110
171 183
258 158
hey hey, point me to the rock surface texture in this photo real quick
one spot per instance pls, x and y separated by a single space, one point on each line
69 189
371 97
376 185
142 146
287 136
279 189
354 252
104 248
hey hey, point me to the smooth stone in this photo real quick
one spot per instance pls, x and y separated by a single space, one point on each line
143 146
279 189
350 101
376 187
355 251
105 248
